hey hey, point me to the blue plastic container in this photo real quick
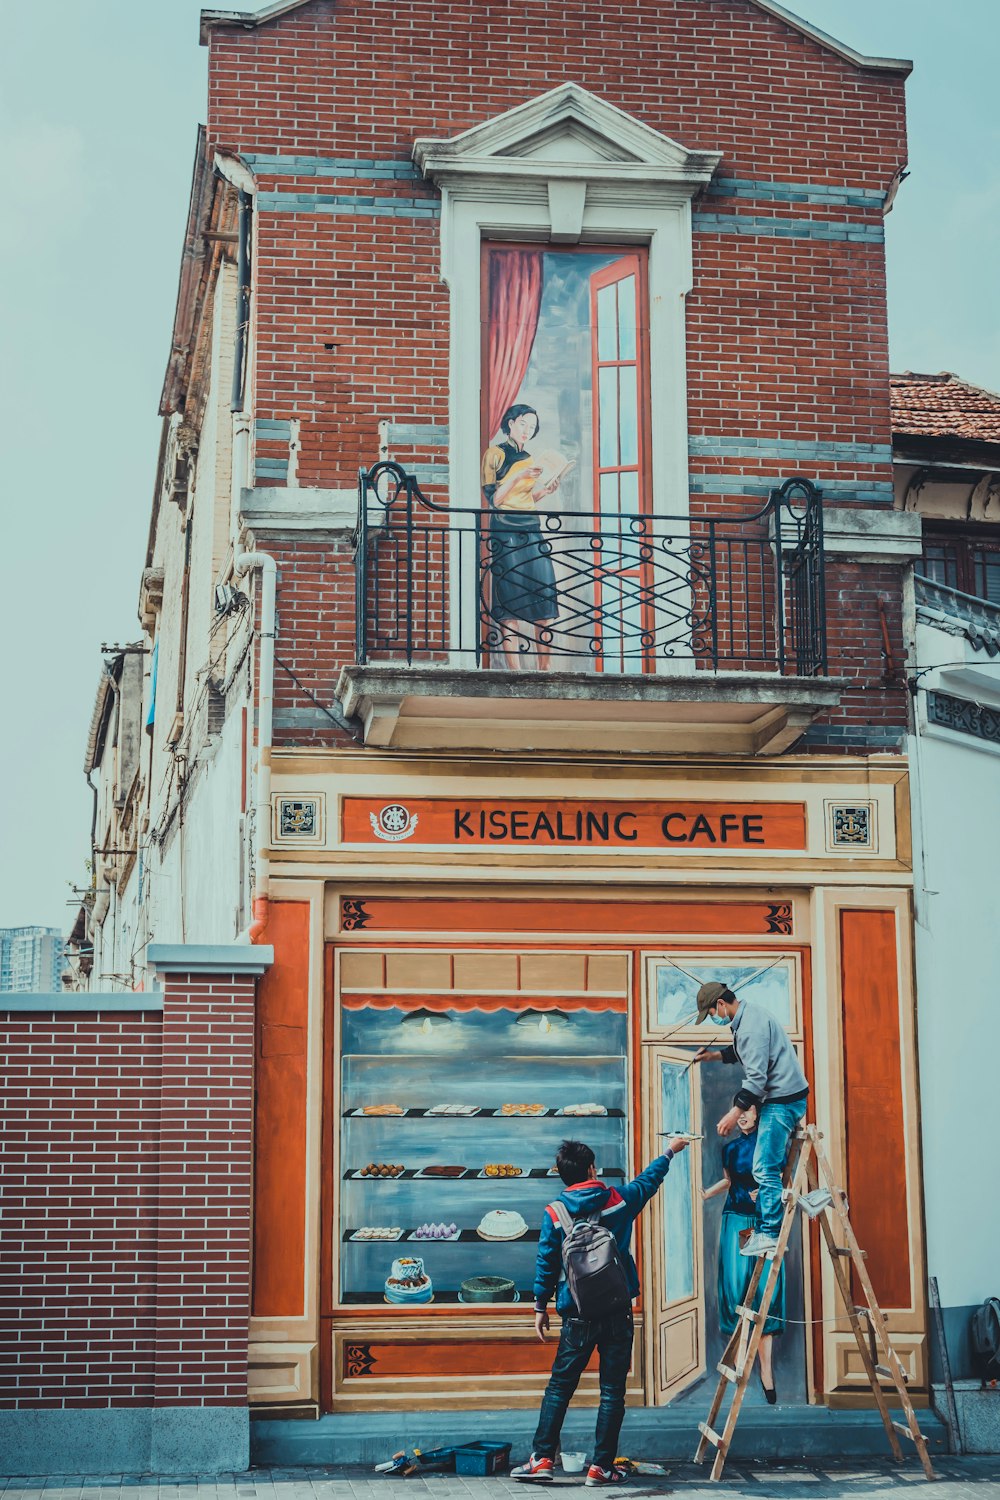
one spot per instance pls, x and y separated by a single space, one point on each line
482 1458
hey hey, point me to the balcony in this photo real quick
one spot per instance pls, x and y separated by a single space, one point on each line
957 651
700 633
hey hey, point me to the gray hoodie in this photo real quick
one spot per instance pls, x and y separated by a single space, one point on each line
773 1074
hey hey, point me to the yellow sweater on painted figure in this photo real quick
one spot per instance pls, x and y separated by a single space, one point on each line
520 496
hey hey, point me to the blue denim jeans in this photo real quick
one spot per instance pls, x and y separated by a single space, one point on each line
776 1125
611 1336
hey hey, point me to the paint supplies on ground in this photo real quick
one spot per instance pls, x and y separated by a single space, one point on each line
482 1458
435 1460
635 1466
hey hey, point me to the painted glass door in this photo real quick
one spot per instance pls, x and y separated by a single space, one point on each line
617 343
677 1302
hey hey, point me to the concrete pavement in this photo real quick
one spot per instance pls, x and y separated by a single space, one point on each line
959 1479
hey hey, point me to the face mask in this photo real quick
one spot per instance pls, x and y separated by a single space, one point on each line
719 1020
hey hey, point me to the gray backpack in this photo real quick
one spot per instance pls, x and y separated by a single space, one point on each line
592 1263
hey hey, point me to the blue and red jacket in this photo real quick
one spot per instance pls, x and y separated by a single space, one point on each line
618 1210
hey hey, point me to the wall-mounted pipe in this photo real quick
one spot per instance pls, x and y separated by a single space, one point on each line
239 469
242 300
262 562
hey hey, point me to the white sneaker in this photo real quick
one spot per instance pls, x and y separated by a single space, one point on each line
760 1244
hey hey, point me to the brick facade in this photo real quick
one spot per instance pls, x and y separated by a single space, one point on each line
126 1161
787 364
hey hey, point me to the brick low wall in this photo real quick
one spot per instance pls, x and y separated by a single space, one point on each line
125 1153
79 1158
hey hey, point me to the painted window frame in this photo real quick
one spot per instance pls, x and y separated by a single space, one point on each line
568 168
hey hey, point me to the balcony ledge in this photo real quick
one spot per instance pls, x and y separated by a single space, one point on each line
698 713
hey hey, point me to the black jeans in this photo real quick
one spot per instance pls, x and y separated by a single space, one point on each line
611 1336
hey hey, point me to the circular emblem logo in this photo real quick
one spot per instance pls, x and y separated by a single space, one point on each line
393 823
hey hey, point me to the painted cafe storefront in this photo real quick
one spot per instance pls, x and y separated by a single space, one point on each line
472 964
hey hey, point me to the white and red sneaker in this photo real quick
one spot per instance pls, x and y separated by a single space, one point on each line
539 1470
614 1475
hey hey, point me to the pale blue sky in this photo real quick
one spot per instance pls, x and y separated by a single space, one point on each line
99 106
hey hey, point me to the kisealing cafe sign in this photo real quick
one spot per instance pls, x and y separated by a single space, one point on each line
536 823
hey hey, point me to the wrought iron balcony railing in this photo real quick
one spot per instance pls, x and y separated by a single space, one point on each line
613 592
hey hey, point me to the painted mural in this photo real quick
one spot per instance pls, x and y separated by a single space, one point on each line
563 461
452 1116
705 1225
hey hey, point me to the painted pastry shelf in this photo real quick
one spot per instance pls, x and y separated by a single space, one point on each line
451 1299
479 1061
475 1174
465 1236
487 1112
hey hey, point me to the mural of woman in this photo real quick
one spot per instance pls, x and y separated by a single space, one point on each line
523 578
740 1213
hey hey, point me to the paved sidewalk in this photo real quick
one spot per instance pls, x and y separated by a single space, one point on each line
960 1479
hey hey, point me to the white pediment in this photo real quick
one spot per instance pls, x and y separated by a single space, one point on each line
570 141
567 133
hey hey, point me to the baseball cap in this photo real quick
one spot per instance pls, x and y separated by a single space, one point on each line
710 994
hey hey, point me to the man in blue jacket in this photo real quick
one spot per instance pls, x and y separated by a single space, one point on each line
611 1336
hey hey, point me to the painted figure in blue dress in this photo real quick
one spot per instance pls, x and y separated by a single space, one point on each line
523 578
740 1216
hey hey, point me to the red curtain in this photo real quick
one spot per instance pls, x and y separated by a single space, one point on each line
515 283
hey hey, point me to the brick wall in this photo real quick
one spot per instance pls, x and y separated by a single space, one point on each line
787 341
124 1224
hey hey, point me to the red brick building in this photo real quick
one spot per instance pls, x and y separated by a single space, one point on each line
589 687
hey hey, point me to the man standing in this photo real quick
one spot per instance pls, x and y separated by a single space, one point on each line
586 1197
774 1085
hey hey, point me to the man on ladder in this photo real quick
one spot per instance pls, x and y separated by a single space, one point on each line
773 1084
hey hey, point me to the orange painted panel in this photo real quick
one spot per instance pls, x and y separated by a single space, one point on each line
876 1160
731 918
458 1358
560 824
279 1220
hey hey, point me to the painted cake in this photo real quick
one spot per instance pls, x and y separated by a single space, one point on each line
408 1282
502 1224
488 1289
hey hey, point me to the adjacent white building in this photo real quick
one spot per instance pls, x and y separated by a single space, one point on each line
170 753
947 455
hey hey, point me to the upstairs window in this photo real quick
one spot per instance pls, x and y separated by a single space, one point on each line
969 564
564 433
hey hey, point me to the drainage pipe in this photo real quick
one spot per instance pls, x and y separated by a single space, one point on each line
262 562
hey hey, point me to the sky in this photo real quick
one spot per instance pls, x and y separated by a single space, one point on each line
97 138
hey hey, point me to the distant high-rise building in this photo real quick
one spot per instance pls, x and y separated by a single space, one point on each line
31 958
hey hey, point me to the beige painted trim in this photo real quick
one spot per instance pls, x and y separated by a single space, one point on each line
470 765
282 1372
663 1316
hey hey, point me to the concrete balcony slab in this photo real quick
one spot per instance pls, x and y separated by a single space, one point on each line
437 707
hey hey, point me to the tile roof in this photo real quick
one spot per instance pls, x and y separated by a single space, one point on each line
943 406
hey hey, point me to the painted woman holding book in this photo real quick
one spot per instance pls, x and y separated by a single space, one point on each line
523 580
739 1217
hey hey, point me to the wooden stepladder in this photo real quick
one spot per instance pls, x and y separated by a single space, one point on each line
881 1362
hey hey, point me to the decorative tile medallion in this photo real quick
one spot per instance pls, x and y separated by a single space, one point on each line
298 819
850 825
